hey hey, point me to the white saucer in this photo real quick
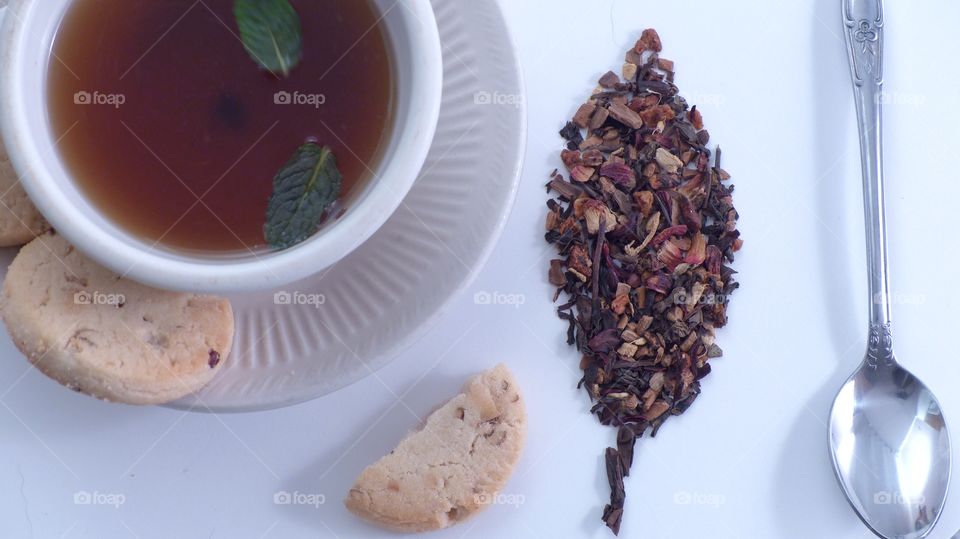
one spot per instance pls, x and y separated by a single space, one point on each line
392 290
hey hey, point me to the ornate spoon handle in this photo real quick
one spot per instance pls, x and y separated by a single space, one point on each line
863 29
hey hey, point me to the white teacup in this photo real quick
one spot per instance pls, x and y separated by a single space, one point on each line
26 37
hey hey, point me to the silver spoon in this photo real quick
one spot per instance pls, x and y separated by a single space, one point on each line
888 438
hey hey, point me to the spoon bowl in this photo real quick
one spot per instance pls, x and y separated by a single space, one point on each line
891 450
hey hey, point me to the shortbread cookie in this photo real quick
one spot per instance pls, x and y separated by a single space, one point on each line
451 468
109 337
20 221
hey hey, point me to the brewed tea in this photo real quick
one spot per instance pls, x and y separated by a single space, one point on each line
175 134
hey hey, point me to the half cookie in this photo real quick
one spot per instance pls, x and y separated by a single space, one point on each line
93 331
451 468
20 221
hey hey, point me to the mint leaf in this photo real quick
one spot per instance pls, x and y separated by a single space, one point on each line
302 190
270 31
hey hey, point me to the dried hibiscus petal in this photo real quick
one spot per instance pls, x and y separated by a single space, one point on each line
714 259
581 173
604 341
620 174
698 251
668 233
660 282
670 255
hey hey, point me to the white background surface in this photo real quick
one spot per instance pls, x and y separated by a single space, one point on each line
750 457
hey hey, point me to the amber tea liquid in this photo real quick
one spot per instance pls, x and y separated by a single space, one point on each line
157 104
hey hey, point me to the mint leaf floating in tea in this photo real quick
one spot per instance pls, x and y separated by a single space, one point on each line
270 30
302 190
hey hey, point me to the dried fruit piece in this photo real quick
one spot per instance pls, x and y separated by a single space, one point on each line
625 115
668 161
696 118
594 212
609 80
649 41
570 158
592 158
579 261
599 118
644 200
583 115
655 115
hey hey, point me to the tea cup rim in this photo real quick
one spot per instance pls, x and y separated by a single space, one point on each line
159 267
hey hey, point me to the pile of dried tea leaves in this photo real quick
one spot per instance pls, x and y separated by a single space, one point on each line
645 226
